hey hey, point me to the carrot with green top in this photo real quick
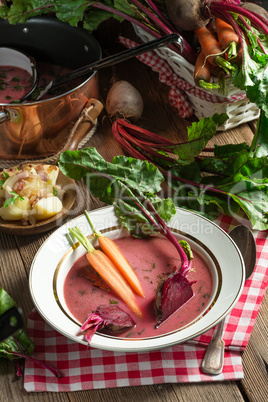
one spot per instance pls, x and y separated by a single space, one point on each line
227 37
108 271
112 251
202 73
212 49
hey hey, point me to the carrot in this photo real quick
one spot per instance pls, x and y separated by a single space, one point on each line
93 276
112 251
108 271
202 73
212 49
227 37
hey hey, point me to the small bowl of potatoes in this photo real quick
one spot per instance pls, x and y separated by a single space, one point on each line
34 198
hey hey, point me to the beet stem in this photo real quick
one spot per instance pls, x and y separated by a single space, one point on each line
164 229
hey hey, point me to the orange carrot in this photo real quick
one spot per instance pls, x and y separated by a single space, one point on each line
227 37
202 73
108 271
209 44
93 276
112 251
212 49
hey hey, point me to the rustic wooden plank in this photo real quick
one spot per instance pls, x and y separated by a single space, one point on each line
12 274
255 358
227 391
18 252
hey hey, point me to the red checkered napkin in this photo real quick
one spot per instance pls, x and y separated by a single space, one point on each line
88 368
178 86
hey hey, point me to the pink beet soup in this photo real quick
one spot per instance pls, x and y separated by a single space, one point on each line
15 82
152 259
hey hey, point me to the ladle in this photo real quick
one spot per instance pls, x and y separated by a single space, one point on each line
10 57
112 60
212 362
18 59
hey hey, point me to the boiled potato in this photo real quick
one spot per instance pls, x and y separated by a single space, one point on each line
35 184
16 211
10 182
53 172
46 207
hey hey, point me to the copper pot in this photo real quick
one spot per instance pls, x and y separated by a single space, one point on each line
39 128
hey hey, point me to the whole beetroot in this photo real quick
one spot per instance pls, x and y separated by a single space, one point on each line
188 15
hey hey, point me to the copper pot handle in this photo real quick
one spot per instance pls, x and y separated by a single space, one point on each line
3 116
85 122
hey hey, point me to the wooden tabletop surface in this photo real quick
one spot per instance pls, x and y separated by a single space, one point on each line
17 253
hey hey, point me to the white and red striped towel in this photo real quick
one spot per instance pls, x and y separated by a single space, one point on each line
84 368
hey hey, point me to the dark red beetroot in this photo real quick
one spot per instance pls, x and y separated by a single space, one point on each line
175 290
172 293
111 318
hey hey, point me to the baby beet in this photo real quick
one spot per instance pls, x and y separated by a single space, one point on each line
187 15
255 8
123 100
172 293
111 318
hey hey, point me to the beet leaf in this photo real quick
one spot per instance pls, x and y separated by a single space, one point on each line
125 182
136 202
92 13
19 345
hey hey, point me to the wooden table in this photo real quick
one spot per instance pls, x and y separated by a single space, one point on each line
17 253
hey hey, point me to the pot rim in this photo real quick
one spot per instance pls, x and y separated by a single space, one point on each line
70 91
32 103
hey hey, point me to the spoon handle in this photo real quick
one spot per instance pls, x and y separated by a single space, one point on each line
212 362
114 59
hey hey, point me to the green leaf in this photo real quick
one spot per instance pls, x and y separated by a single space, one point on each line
20 11
187 249
252 75
71 11
124 183
10 346
190 171
259 146
94 18
12 200
88 164
225 151
199 133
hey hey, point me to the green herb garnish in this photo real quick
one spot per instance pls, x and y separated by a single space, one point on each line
13 199
113 301
2 181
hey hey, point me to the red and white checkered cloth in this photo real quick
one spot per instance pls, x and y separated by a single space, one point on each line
84 368
178 86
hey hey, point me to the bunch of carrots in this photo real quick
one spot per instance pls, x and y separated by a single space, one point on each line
217 52
112 266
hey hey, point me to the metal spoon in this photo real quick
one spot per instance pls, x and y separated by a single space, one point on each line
212 362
